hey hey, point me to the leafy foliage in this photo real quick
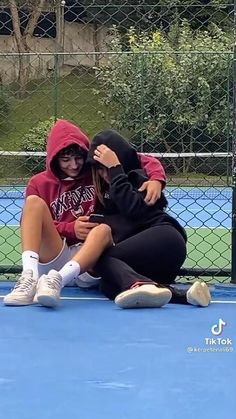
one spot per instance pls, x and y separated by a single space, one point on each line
36 140
171 89
153 14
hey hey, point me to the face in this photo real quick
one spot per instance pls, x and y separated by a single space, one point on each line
103 172
71 165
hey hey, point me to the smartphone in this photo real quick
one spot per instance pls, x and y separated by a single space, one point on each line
96 218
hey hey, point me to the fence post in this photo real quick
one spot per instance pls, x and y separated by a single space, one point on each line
142 101
55 87
233 253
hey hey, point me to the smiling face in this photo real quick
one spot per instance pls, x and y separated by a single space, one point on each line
71 165
70 161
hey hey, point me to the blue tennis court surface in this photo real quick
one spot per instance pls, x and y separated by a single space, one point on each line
194 207
89 359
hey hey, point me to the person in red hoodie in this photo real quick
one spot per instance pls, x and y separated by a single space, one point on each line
55 216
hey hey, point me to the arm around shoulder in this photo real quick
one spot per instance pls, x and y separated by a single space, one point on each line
153 168
125 195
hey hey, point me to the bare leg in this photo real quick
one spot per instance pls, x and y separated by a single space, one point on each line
38 232
98 239
40 240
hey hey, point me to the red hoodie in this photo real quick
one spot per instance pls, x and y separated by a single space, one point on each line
69 199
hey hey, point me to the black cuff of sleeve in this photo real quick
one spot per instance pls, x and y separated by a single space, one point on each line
115 171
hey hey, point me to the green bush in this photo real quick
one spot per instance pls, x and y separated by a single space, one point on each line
171 90
35 140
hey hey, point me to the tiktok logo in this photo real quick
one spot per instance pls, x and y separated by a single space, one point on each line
217 329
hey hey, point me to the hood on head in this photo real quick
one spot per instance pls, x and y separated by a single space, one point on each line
126 154
63 134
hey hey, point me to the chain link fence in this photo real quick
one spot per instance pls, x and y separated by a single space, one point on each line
158 71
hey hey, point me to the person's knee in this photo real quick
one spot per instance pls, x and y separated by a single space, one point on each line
103 232
34 201
33 205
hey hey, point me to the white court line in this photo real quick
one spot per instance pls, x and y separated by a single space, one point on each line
223 302
77 298
85 298
106 299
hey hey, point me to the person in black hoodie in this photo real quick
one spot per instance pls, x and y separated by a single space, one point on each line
150 245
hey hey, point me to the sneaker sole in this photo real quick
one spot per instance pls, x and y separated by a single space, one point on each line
17 303
144 299
201 297
47 301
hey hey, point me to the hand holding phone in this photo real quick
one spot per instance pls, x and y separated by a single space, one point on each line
96 218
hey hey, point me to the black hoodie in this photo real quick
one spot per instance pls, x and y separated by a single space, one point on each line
124 207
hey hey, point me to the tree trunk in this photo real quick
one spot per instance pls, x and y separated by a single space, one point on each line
96 44
168 150
22 41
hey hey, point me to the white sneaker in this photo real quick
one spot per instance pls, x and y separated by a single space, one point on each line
144 296
199 294
49 289
23 292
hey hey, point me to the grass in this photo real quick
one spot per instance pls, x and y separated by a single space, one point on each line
72 97
208 247
10 250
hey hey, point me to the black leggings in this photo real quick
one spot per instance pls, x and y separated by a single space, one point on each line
154 255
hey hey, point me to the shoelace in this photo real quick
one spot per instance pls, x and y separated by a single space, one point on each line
53 282
23 284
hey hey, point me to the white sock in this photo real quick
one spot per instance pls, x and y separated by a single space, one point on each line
30 260
70 271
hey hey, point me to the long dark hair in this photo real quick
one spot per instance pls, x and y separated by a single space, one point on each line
99 183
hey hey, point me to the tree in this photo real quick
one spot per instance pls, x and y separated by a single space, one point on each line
150 15
22 37
174 97
32 10
153 14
